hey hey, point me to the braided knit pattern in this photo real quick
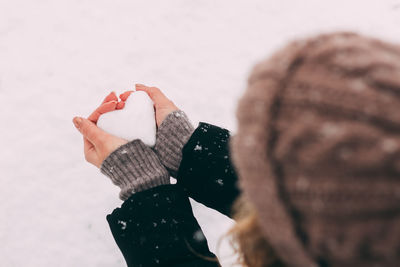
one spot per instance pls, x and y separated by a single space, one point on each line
318 150
172 135
134 167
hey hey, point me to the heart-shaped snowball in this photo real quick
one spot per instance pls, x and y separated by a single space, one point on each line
135 121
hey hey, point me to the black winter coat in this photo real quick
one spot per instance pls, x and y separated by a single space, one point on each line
156 227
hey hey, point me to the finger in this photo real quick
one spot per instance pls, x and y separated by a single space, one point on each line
89 151
90 131
104 108
139 85
111 97
87 146
155 94
124 96
120 105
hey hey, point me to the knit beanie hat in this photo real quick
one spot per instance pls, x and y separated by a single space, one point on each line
318 151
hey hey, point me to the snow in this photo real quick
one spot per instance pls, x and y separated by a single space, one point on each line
135 121
123 224
220 182
58 59
199 236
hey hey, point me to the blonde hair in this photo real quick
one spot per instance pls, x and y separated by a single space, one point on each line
247 239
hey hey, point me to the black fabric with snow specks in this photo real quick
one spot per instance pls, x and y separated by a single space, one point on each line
156 227
206 172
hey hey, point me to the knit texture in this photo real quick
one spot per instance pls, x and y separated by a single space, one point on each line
318 151
134 167
172 135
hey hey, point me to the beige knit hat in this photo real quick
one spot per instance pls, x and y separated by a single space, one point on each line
318 151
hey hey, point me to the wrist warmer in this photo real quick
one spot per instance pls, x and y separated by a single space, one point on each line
172 135
134 167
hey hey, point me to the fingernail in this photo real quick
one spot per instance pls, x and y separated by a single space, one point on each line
139 84
77 122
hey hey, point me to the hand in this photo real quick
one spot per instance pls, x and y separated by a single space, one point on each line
109 103
162 104
98 145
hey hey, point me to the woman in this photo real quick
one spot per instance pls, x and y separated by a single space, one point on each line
317 153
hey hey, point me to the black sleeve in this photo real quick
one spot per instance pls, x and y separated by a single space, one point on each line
156 227
206 172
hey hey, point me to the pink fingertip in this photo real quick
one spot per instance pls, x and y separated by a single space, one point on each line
114 95
120 105
107 107
112 103
110 97
124 96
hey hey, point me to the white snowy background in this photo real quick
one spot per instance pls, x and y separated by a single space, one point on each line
59 59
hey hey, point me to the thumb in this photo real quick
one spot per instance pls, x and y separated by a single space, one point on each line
89 130
155 94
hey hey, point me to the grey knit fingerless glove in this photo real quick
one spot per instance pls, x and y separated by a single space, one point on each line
172 135
134 167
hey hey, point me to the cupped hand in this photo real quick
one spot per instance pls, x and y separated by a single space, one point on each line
163 106
98 144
